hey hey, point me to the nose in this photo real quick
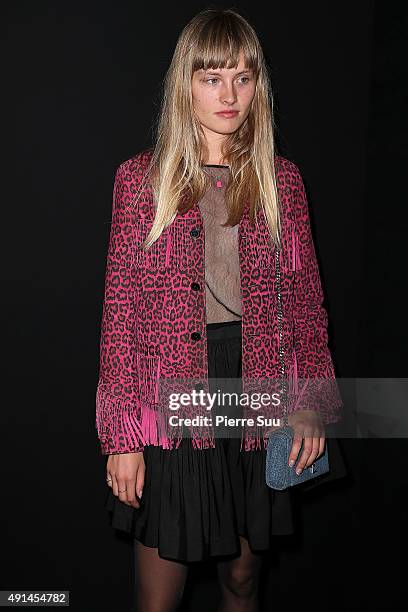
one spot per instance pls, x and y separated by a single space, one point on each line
228 94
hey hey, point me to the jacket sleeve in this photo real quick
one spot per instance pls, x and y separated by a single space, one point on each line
315 384
117 410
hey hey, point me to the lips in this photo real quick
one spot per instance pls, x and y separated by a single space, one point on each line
227 113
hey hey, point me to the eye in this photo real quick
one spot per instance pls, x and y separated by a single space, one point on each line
212 79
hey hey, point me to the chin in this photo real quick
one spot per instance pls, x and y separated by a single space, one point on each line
225 131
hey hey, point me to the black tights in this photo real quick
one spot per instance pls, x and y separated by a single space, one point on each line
160 582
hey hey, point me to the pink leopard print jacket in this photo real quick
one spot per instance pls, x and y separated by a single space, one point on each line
154 322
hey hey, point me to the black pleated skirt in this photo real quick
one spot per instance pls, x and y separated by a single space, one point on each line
196 503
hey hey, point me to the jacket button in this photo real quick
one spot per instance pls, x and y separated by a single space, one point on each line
195 336
195 232
195 286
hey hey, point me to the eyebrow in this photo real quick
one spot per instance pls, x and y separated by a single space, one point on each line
219 73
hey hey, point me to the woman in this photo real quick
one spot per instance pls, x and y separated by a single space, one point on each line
190 296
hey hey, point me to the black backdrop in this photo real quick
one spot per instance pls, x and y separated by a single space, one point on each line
81 85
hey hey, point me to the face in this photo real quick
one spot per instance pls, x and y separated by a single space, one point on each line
219 90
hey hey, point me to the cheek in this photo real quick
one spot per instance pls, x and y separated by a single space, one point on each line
245 102
204 102
247 97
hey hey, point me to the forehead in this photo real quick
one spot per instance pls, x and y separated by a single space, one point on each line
226 70
224 61
240 68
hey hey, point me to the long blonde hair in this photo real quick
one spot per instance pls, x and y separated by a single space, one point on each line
214 38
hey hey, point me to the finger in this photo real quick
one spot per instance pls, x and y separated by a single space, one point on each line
135 488
321 446
109 479
294 451
315 451
307 449
140 479
131 494
114 485
122 489
109 470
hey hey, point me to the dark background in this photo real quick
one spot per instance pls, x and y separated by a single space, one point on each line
81 88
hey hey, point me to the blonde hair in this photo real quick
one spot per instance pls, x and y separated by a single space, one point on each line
214 38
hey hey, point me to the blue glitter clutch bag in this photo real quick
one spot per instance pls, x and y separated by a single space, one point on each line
279 475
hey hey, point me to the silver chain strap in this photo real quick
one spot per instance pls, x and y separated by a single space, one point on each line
281 349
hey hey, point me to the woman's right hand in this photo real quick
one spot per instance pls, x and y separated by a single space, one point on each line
127 472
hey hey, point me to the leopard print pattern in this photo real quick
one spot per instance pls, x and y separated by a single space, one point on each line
153 324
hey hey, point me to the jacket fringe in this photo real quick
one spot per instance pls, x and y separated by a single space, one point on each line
294 251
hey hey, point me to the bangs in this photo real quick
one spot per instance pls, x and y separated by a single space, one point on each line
219 44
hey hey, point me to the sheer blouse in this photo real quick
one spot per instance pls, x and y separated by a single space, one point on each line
222 275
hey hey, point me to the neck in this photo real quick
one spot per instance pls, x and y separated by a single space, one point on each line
212 148
216 160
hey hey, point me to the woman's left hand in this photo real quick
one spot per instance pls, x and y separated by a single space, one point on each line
307 425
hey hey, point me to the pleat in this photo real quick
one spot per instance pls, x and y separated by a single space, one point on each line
196 503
